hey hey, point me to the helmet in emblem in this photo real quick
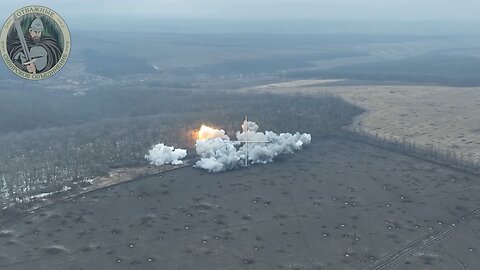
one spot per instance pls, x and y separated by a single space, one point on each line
37 25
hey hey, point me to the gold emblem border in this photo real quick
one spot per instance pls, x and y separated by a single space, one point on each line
66 42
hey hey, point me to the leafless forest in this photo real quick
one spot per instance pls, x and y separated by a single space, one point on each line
48 160
430 152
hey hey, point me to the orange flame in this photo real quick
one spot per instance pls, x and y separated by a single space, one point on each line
205 132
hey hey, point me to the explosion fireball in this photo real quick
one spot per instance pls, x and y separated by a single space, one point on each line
218 153
205 132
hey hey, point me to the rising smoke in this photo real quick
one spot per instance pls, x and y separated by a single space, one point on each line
218 153
161 154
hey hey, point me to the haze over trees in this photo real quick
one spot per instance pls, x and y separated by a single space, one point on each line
103 111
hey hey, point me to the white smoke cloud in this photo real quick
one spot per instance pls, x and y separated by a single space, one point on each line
161 154
220 153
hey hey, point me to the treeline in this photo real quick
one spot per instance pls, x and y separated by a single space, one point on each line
47 160
430 152
25 110
450 70
262 65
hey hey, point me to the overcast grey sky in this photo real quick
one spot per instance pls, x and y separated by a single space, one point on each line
391 10
265 16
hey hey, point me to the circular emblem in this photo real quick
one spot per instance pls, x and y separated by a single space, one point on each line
35 42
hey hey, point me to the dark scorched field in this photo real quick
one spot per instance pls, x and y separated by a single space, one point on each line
336 205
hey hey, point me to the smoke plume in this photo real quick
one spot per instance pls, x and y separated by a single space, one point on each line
161 154
218 153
